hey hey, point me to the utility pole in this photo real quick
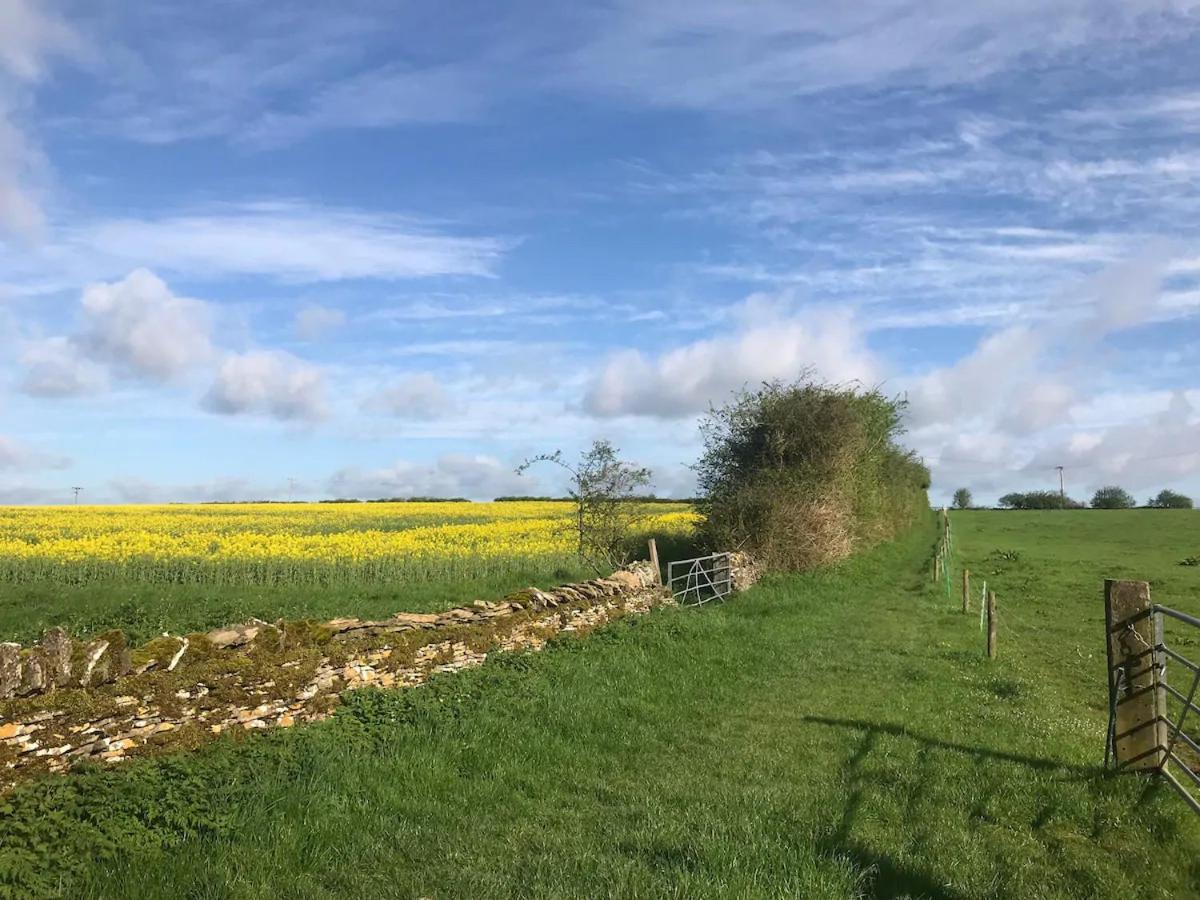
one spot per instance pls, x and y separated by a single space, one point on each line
1062 490
291 489
76 490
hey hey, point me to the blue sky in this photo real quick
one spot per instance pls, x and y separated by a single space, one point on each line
376 249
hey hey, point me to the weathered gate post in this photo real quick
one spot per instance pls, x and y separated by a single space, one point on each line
1136 696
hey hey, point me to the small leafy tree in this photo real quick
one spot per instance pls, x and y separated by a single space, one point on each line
604 489
1112 497
1168 499
962 498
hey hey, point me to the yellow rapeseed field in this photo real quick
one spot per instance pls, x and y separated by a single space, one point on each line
304 543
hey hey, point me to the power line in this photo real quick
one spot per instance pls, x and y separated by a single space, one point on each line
76 490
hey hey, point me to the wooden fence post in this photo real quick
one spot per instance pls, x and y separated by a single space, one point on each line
654 560
966 590
1137 698
991 624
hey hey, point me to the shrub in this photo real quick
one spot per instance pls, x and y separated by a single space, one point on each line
1112 497
801 474
962 499
1170 500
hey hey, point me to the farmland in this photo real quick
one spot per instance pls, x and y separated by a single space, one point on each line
155 568
837 733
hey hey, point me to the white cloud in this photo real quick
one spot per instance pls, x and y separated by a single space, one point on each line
418 396
57 367
315 321
712 54
1145 452
386 96
980 383
139 326
30 34
14 455
270 383
452 475
220 490
770 343
291 242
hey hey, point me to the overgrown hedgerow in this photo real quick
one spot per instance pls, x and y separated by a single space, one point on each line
803 474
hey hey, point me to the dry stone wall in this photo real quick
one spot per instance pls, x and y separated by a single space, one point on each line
64 700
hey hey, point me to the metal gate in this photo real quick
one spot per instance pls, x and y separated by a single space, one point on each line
1182 752
696 581
1173 750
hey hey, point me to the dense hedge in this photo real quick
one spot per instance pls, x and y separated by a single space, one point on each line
803 474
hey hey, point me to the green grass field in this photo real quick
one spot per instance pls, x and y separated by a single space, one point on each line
835 734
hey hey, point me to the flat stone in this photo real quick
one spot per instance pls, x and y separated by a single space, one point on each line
234 635
11 730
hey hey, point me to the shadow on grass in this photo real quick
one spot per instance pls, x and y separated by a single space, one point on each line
882 876
1033 762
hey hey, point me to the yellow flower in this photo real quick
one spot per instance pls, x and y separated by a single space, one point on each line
282 543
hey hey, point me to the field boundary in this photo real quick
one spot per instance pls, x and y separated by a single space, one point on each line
67 701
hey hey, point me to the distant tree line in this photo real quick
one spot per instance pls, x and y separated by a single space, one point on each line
398 500
1108 497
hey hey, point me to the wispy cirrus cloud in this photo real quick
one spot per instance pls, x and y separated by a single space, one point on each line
31 35
284 241
292 70
725 56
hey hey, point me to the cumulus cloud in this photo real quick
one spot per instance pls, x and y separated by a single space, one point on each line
58 367
269 383
138 325
1143 453
418 396
134 327
1028 398
452 475
315 321
768 343
981 382
14 455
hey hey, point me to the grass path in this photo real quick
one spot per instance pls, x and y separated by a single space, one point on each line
836 734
